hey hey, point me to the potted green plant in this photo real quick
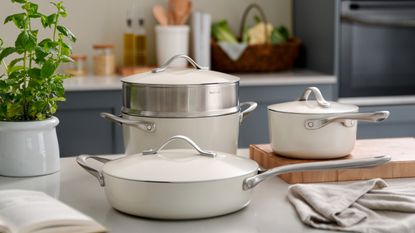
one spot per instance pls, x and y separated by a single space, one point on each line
30 87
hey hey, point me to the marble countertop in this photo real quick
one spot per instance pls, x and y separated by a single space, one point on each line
269 210
293 77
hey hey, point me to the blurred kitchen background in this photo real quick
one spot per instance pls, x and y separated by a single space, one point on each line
358 52
104 21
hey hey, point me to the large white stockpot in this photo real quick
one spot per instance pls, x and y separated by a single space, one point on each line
315 129
199 103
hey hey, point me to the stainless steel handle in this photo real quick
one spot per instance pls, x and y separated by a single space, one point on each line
379 21
347 119
147 126
166 64
251 182
82 161
184 138
319 97
251 107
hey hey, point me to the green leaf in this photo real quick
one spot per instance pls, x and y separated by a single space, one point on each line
34 73
18 19
48 69
48 21
1 42
30 7
66 32
40 55
6 52
26 41
19 1
65 59
14 62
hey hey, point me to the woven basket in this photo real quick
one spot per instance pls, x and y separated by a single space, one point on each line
257 58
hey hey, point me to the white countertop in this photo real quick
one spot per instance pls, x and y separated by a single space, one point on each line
269 210
293 77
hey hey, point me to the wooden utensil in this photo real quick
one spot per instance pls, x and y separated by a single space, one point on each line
187 13
160 15
179 9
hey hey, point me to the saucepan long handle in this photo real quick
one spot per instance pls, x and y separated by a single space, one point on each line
347 119
326 165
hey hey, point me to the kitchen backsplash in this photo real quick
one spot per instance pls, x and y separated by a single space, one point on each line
103 21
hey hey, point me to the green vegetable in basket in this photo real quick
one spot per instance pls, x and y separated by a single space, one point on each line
222 32
277 37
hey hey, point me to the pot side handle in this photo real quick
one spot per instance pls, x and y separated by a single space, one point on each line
82 161
347 119
251 182
251 107
147 126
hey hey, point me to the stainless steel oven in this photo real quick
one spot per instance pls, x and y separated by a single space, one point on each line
376 48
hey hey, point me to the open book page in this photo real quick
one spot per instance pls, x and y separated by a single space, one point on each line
30 211
4 228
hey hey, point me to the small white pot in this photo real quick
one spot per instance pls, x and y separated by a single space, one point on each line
315 129
29 148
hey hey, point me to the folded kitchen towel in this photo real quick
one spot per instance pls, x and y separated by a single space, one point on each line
233 50
365 206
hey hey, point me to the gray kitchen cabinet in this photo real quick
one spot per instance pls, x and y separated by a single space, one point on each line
401 122
81 130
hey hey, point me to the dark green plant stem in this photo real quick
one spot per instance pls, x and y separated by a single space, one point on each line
25 108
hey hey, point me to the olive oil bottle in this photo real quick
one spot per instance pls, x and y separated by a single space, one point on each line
140 44
129 43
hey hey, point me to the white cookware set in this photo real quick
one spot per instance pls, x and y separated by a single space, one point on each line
190 110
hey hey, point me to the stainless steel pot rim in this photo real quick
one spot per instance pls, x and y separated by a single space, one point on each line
179 85
152 114
315 114
254 172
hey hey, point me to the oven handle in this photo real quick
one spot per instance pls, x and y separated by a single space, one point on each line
377 21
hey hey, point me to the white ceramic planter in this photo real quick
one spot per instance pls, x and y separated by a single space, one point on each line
29 148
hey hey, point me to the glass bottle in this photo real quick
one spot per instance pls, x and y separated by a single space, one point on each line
129 41
140 43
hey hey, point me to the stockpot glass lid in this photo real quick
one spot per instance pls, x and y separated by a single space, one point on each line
165 76
179 165
318 106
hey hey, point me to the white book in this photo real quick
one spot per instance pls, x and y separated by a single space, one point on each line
24 211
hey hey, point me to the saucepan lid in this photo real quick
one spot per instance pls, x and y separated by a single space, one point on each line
318 106
179 165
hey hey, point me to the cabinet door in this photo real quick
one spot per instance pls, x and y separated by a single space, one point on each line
254 129
401 123
81 129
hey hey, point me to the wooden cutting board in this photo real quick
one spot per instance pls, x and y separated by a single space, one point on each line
402 151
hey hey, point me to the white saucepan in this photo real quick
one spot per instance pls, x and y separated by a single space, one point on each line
316 129
189 184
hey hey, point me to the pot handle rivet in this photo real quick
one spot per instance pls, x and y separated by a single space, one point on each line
319 97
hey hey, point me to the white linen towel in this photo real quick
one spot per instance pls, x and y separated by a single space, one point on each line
366 206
